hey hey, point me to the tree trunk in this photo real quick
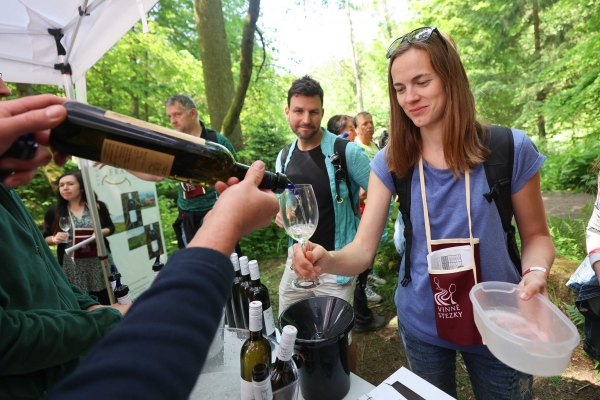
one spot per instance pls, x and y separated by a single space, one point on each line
233 115
135 101
25 89
216 64
355 64
541 96
388 21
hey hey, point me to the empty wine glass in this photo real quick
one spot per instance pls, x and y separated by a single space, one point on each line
300 215
65 224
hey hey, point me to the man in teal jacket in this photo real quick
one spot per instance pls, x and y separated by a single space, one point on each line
46 324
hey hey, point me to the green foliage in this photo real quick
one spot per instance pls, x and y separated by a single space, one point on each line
269 242
569 167
568 236
38 197
168 215
574 314
264 144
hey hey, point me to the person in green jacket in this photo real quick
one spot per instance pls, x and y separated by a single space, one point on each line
46 324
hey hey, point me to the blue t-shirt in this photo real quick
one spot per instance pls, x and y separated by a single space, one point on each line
446 201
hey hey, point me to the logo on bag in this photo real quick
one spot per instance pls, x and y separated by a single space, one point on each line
446 306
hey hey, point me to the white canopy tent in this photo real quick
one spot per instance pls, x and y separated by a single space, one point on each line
41 39
56 42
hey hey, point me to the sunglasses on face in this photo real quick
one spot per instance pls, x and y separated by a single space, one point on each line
418 35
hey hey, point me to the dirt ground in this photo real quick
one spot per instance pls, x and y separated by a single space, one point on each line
380 353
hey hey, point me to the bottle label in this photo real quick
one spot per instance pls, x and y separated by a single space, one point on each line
152 127
247 390
126 156
269 321
262 390
124 300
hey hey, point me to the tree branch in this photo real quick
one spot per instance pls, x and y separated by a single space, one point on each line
235 109
262 40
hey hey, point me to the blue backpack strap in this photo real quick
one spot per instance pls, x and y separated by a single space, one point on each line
498 171
402 186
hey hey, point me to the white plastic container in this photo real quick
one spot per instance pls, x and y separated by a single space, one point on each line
531 336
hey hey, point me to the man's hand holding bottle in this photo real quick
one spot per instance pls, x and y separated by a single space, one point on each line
18 117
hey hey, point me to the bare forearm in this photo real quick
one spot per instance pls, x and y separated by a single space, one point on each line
537 251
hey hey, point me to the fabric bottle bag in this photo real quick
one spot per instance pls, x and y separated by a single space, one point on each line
453 266
79 235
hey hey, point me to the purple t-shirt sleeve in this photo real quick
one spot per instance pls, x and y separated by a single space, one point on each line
379 167
528 161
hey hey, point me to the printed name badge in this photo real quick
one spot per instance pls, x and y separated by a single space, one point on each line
450 258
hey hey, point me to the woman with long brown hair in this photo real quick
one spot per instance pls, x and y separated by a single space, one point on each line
83 270
437 143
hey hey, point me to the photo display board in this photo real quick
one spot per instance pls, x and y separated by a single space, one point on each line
138 238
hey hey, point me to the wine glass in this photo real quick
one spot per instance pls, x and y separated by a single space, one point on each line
65 224
300 215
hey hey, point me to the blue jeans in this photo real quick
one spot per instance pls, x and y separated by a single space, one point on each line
490 378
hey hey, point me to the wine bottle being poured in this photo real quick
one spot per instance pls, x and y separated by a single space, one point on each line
124 142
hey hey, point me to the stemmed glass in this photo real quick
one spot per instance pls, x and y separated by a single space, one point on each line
300 215
65 224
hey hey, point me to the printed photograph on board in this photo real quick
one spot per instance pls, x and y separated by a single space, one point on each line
147 200
136 237
153 240
132 210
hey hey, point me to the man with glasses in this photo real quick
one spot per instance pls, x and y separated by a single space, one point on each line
308 161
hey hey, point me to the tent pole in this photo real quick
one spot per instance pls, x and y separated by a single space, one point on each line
84 166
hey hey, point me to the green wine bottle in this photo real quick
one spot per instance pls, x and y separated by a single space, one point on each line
259 292
255 350
123 142
283 373
244 288
261 382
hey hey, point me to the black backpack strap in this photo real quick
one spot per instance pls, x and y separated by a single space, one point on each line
284 154
339 147
498 171
402 186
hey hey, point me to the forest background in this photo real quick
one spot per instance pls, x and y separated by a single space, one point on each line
532 65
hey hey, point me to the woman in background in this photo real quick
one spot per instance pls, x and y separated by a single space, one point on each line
86 273
342 124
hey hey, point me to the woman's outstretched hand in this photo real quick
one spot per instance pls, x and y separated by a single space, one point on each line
311 261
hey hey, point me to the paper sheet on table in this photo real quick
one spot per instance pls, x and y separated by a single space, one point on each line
450 258
404 385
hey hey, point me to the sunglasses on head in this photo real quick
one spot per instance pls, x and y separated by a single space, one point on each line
418 35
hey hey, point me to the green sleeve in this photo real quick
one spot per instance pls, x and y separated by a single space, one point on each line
83 299
39 339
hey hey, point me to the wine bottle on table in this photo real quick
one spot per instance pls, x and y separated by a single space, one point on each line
255 350
124 142
244 288
238 312
122 293
114 275
157 266
282 370
261 383
259 292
